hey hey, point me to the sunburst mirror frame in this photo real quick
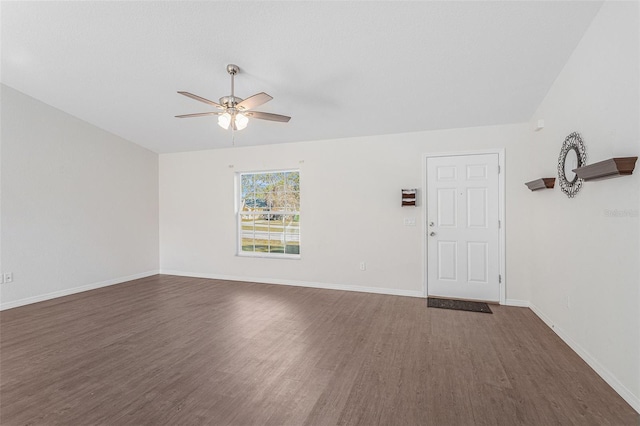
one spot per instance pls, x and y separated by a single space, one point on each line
573 142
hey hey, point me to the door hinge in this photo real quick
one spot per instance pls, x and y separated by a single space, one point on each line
500 279
498 169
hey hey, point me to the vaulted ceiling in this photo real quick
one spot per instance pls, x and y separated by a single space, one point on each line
339 69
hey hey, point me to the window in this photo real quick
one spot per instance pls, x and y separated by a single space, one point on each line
269 214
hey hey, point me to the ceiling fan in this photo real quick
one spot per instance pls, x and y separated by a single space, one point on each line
234 111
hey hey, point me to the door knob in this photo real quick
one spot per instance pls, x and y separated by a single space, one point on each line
431 224
433 234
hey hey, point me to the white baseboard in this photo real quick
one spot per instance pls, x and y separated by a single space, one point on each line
518 303
601 370
345 287
74 290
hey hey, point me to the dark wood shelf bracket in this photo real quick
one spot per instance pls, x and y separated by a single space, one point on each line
542 183
613 167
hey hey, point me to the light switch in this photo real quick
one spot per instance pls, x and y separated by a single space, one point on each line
409 221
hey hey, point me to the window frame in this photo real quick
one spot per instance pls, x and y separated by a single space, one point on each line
239 214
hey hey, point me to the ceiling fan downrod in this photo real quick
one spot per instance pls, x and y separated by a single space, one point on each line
231 101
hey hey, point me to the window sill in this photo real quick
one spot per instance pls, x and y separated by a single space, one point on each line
269 255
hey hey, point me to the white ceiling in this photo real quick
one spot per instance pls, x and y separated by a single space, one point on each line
339 69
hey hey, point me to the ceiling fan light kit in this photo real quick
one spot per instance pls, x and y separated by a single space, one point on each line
240 120
234 111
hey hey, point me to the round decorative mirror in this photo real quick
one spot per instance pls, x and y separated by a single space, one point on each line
570 163
572 156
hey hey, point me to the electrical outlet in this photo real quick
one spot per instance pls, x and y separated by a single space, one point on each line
363 266
8 277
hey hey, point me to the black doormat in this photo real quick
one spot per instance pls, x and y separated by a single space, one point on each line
460 305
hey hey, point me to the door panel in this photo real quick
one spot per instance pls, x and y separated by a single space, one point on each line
446 173
476 172
447 260
477 262
447 207
477 208
463 232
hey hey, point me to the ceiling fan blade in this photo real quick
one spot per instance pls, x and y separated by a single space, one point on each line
254 101
198 114
201 99
268 116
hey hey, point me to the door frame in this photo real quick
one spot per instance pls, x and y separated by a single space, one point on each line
501 215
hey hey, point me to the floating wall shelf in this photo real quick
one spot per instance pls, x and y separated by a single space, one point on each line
409 197
542 183
613 167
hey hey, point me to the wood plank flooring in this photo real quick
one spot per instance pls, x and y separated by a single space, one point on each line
185 351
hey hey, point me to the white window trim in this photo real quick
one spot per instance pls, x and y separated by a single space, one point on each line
238 203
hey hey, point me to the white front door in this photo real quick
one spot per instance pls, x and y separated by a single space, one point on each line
463 258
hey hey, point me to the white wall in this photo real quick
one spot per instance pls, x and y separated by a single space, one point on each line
79 205
579 249
350 207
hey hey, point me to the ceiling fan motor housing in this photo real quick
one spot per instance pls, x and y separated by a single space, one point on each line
230 101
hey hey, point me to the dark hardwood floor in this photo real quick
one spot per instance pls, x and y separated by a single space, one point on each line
184 351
